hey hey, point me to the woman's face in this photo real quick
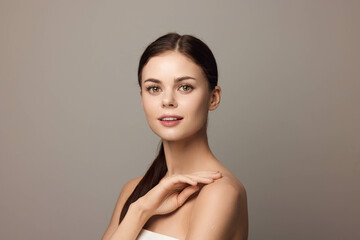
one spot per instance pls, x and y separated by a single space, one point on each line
175 96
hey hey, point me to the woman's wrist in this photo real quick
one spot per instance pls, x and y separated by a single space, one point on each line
139 209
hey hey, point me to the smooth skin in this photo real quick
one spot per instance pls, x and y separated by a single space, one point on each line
198 198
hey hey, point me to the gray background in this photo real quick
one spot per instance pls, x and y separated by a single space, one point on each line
72 130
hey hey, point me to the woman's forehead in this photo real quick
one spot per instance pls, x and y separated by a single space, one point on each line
171 64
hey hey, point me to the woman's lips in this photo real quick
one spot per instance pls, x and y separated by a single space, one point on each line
170 120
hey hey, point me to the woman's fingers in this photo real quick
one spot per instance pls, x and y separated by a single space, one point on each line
195 178
208 174
180 181
204 180
186 193
205 177
174 190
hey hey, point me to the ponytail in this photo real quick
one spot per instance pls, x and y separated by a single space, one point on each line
151 178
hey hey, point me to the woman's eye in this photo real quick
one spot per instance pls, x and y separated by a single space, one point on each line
185 88
153 89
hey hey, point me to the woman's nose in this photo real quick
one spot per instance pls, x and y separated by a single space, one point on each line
169 100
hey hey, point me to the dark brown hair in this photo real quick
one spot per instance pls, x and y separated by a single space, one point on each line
200 53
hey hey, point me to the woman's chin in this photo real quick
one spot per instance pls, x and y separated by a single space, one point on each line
171 138
173 135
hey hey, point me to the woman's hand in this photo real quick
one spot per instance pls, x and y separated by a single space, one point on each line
173 191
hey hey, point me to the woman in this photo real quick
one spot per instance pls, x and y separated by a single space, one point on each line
186 193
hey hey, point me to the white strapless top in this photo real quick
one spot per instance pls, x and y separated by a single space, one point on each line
149 235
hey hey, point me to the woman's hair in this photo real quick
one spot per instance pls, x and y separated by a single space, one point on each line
198 52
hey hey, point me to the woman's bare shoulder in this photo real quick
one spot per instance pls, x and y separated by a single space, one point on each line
129 186
228 182
220 210
228 185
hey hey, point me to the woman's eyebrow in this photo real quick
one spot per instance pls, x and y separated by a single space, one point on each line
179 79
152 80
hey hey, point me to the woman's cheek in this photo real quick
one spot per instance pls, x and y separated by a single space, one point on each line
199 103
149 109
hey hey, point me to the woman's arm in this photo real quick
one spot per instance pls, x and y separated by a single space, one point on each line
127 189
220 212
167 196
131 225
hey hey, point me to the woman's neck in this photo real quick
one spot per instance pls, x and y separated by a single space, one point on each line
187 156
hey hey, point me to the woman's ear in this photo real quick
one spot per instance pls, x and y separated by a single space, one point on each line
215 98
